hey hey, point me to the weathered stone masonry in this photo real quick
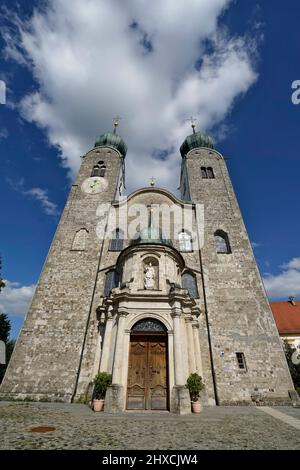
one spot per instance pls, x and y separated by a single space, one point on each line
72 330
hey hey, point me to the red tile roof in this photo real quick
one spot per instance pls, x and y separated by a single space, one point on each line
287 317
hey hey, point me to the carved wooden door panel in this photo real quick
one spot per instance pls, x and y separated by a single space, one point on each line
157 375
136 388
147 375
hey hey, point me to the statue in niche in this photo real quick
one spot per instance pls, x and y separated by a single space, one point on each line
149 279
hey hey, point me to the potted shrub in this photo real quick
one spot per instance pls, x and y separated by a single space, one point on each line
101 382
195 385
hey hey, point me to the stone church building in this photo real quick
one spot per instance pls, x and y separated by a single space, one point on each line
154 304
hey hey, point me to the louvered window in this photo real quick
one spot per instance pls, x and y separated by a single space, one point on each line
117 241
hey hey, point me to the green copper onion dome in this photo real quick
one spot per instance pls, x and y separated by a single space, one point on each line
151 236
111 139
196 140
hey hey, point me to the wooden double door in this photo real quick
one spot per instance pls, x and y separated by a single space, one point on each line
147 387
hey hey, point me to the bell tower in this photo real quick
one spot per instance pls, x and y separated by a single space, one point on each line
247 358
47 360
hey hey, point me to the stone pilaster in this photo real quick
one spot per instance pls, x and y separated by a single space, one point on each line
107 341
117 367
180 395
178 362
191 346
114 400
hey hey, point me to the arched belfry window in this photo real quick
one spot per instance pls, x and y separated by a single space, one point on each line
117 240
207 173
222 242
111 281
185 241
99 169
204 172
149 325
188 282
210 172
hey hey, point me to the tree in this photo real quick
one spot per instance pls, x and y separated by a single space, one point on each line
4 336
294 368
5 328
2 283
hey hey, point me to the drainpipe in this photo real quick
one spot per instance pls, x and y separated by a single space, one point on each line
208 334
90 312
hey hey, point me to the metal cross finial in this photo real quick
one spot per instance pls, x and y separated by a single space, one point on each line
193 123
152 182
116 122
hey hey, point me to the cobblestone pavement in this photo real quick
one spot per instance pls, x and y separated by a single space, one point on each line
77 427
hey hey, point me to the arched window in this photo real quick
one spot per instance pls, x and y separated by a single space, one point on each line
80 240
204 172
149 325
96 171
188 282
99 169
117 240
207 172
222 242
111 281
210 172
185 241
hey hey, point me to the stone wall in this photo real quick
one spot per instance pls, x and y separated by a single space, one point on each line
59 348
238 311
47 356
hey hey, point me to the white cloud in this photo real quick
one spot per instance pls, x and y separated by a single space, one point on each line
93 59
255 245
15 298
286 283
3 133
293 264
39 194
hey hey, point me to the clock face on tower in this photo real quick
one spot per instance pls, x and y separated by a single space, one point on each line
94 185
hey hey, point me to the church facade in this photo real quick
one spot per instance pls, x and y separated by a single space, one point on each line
152 304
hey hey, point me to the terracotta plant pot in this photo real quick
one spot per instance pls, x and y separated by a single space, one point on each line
98 405
196 407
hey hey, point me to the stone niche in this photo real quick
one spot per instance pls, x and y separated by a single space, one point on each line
79 241
151 273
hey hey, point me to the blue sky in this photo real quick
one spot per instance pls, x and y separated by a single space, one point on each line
253 49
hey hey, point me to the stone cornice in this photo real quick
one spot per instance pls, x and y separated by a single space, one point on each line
146 296
95 150
149 248
149 189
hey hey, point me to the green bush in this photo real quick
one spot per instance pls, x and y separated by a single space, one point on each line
101 382
195 385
